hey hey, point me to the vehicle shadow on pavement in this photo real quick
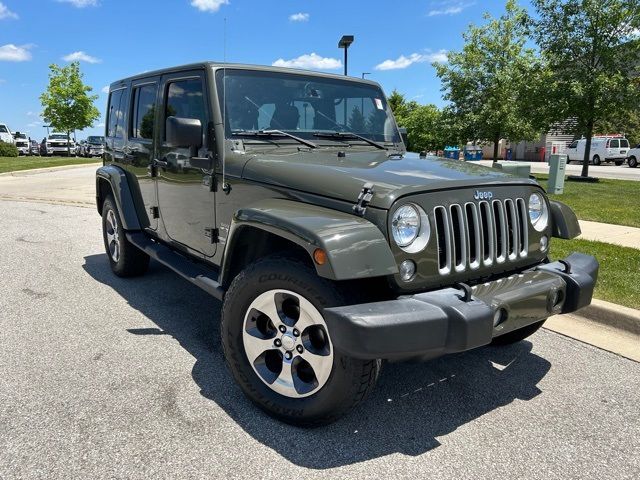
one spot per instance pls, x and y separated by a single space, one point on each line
412 405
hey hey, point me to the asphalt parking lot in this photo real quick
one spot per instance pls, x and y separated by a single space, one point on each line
104 377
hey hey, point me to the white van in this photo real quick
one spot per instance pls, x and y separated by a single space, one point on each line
606 148
5 134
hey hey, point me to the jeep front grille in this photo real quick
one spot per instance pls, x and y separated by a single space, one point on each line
480 234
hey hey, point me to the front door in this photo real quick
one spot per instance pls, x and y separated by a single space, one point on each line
187 204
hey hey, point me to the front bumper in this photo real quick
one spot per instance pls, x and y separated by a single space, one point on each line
443 321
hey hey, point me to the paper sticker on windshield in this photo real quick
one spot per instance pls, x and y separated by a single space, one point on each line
378 104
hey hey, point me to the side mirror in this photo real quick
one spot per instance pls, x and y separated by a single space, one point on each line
404 135
184 132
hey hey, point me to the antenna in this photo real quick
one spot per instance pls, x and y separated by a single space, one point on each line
225 187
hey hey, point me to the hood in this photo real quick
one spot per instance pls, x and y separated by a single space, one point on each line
324 173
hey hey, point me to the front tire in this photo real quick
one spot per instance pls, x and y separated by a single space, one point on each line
278 347
125 259
517 335
633 162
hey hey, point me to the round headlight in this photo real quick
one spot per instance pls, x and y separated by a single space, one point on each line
405 225
410 228
538 212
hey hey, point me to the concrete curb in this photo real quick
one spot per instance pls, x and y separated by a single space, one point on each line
35 171
617 316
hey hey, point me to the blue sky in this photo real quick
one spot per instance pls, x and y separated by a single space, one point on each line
394 41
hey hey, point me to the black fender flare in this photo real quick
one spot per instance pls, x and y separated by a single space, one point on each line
355 247
122 194
564 222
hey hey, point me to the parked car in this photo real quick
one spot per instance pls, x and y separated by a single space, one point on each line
634 156
22 143
5 134
93 147
34 147
607 148
58 144
331 247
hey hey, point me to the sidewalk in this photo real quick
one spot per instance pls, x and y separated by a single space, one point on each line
605 232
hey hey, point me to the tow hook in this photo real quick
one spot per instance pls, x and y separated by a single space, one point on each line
466 289
567 266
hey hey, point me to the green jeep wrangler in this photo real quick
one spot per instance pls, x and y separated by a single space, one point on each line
289 195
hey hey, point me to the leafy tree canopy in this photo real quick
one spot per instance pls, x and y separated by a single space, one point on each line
67 103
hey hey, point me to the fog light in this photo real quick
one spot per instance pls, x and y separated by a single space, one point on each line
544 243
499 316
407 270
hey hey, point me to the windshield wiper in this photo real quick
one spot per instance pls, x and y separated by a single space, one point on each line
268 133
344 135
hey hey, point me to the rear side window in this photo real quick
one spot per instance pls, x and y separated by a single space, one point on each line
185 99
115 115
144 109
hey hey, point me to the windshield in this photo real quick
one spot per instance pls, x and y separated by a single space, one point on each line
21 135
304 105
95 140
58 136
3 129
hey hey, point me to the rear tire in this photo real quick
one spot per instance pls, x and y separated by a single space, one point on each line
517 335
596 160
633 162
125 259
259 321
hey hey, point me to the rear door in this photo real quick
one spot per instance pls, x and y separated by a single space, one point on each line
140 149
187 204
116 118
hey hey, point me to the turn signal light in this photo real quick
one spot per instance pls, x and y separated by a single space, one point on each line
320 256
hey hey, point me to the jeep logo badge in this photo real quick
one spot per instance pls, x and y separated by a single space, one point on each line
478 195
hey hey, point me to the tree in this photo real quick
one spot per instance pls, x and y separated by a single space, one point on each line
592 51
423 122
627 121
484 82
66 103
357 121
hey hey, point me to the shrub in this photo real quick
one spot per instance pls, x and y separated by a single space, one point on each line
8 149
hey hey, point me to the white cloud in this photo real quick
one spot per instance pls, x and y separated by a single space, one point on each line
6 13
404 62
15 53
299 17
100 125
448 7
311 61
36 123
105 89
209 5
80 56
81 3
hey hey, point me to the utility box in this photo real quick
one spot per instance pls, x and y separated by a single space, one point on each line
557 167
519 169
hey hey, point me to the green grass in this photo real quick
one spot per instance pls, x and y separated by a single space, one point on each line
608 201
11 164
619 275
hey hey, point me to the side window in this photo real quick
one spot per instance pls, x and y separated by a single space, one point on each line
614 144
624 143
185 99
144 109
112 112
115 115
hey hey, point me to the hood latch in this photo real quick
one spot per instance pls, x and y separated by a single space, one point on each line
366 194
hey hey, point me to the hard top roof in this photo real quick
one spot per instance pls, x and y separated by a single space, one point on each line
243 66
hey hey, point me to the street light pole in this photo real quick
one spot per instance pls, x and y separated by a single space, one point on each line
345 42
365 73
